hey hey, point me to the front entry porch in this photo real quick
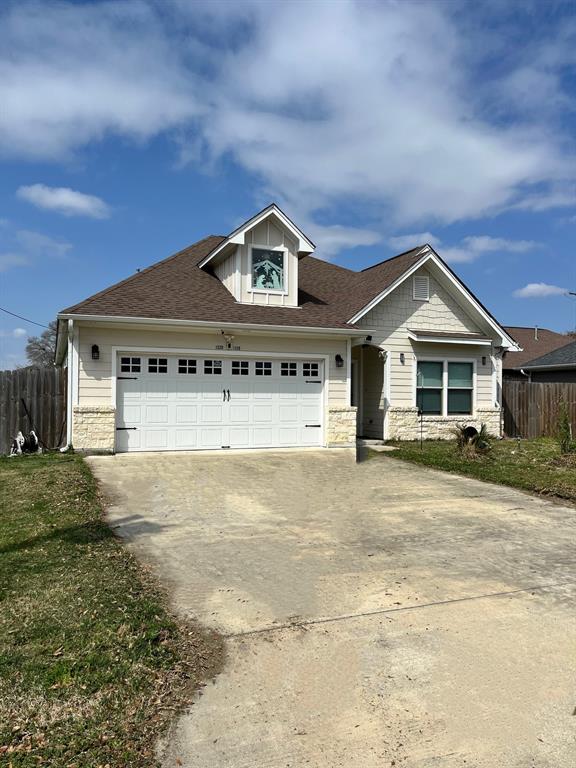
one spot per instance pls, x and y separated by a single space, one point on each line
369 387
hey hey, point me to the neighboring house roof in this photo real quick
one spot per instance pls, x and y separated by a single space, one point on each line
534 342
563 357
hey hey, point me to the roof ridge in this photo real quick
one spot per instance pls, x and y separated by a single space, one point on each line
137 274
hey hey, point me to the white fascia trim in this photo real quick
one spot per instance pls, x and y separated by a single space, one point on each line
558 366
448 340
429 255
217 325
238 235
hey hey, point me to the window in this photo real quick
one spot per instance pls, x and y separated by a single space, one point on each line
267 269
421 288
157 365
429 377
310 369
240 367
263 369
213 367
460 387
130 364
445 387
288 369
186 366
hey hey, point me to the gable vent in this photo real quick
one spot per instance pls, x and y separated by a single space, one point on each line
421 288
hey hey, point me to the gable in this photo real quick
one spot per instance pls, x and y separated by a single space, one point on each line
400 311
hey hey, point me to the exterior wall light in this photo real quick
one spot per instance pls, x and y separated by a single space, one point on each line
95 352
402 358
339 361
483 361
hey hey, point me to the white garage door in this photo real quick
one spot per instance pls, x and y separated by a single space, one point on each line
190 402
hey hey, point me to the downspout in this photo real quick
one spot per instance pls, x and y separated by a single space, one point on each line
70 380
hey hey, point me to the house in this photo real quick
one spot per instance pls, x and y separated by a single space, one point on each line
533 342
250 341
556 366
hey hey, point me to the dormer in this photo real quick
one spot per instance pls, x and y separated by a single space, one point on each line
258 262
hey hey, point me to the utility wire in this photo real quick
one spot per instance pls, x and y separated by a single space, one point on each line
22 318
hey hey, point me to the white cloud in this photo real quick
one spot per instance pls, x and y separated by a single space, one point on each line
9 260
468 249
471 248
339 108
539 291
15 333
406 242
25 247
64 200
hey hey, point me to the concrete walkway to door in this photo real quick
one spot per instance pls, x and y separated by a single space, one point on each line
377 614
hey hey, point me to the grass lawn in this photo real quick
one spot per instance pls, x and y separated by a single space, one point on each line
92 666
534 465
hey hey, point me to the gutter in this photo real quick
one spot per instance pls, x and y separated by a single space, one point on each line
210 324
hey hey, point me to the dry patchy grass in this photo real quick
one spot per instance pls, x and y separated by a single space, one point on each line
92 665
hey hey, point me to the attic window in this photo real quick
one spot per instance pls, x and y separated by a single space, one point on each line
421 288
268 269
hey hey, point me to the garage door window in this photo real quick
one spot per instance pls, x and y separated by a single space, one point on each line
263 368
213 367
130 364
310 369
240 367
157 365
186 366
288 369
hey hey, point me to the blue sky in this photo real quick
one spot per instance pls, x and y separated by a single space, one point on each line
130 130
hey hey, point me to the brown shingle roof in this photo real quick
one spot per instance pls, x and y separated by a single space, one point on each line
176 288
534 344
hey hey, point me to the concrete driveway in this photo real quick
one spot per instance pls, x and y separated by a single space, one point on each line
377 614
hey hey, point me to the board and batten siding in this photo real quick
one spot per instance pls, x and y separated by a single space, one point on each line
398 313
268 234
95 376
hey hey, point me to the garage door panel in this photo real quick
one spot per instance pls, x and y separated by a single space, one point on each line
186 438
288 436
198 409
186 414
288 413
132 414
263 437
156 414
211 437
155 439
157 389
239 414
240 437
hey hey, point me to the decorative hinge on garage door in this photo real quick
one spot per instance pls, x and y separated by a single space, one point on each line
127 378
314 381
313 425
124 429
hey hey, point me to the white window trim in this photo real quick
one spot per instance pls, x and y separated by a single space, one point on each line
445 361
271 291
421 277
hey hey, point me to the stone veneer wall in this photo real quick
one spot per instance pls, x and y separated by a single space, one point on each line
404 424
341 426
94 428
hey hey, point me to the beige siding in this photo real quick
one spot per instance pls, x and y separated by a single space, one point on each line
268 234
226 273
95 376
397 313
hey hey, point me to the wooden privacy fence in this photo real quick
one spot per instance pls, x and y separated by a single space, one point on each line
531 408
33 398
